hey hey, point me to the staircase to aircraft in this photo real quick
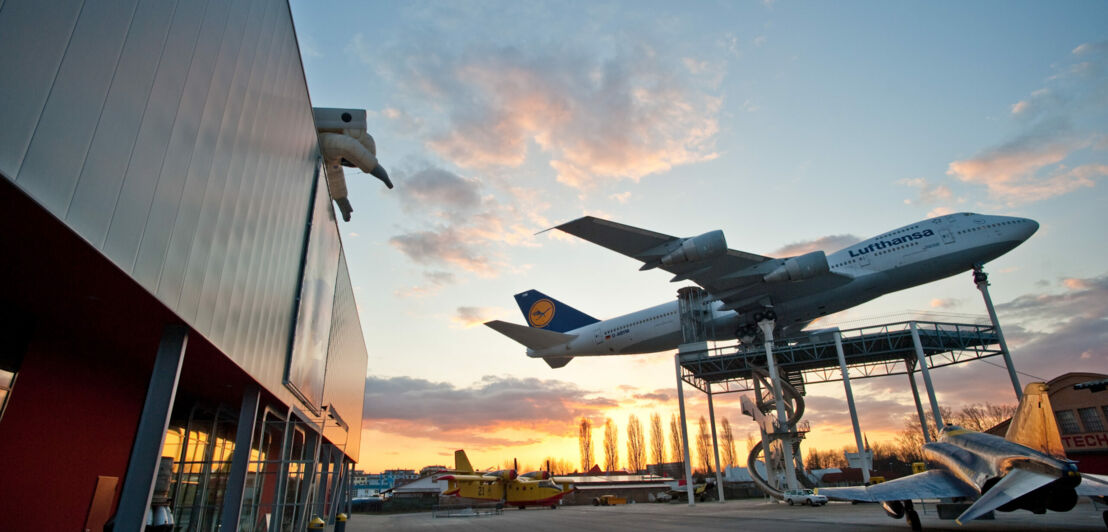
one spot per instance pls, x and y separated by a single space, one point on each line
763 412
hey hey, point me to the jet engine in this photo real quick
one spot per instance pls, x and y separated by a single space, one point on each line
799 268
698 248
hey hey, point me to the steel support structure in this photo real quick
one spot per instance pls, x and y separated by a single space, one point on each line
142 468
937 416
240 459
715 444
981 279
919 405
850 404
684 429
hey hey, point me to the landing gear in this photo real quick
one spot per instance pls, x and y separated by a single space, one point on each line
912 517
913 520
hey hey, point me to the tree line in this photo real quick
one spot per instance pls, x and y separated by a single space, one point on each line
638 446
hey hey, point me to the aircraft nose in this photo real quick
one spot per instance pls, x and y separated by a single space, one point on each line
1028 227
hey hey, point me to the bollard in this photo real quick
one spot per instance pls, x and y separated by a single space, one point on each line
316 524
340 523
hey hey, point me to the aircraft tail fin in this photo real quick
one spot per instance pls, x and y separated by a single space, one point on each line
537 339
544 312
461 462
1033 424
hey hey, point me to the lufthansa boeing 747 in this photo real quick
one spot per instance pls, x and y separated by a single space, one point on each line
746 289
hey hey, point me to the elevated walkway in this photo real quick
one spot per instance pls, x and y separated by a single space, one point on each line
874 351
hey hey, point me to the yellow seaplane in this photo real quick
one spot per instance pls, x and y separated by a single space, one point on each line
505 486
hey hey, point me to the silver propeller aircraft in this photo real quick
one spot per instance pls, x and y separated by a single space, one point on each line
1025 470
748 288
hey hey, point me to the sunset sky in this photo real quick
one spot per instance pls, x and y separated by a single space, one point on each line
785 124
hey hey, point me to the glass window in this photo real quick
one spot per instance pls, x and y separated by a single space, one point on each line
307 361
1067 422
1090 419
7 379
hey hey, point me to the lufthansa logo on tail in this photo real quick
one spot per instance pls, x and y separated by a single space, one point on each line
542 311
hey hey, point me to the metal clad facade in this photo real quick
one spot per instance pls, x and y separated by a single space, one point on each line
177 138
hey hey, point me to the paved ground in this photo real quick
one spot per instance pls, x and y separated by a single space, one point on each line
747 515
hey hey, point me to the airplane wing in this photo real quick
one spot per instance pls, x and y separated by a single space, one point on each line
464 478
936 483
735 277
1017 483
1093 485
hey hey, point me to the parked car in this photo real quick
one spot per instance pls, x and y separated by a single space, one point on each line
804 496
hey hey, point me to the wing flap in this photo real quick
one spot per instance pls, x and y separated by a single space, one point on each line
936 483
537 339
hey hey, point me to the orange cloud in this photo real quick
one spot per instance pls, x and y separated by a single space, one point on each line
622 118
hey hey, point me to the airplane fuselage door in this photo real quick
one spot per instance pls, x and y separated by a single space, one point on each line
948 237
599 337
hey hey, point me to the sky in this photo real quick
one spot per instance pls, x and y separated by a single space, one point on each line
789 125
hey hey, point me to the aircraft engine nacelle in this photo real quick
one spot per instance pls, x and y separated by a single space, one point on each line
800 267
706 246
536 475
503 474
895 509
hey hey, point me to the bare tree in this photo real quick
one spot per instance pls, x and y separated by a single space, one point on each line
814 459
704 446
729 458
636 445
611 445
676 443
909 442
584 439
657 439
981 417
556 466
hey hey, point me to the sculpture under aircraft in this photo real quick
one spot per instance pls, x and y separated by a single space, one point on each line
747 289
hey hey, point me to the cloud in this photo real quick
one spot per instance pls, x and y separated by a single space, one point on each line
471 316
625 116
948 302
452 196
484 414
621 197
433 281
1057 125
928 193
457 222
443 246
827 244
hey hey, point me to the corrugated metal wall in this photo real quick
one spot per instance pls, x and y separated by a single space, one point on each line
177 138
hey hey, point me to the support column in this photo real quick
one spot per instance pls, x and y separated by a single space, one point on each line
919 406
715 443
684 430
283 473
240 460
850 404
782 418
981 279
927 378
138 483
